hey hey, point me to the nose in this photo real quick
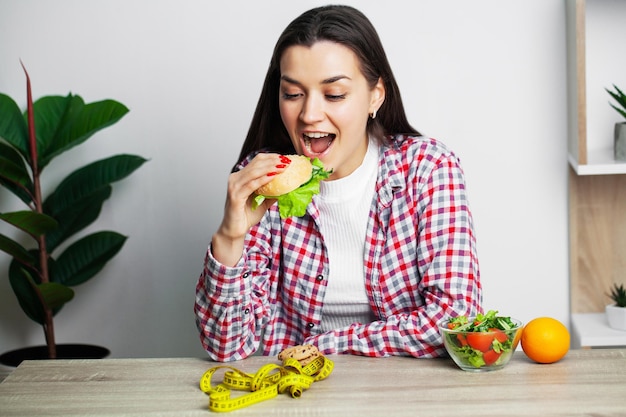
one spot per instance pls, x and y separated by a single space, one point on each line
312 109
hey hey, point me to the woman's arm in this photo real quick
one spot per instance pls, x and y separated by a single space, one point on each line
428 268
228 242
232 303
226 303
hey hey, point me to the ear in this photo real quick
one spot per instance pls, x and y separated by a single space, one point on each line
377 96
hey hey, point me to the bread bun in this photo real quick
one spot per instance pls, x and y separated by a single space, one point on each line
297 173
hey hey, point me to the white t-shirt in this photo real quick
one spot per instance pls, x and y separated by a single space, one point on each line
344 206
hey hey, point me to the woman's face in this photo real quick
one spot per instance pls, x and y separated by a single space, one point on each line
325 102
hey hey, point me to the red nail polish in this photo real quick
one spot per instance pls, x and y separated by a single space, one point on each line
284 159
271 174
281 166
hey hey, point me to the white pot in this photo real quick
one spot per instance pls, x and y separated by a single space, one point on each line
616 317
619 149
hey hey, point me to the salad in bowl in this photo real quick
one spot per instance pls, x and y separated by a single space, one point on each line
482 343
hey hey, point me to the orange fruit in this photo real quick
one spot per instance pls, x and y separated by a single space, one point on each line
545 340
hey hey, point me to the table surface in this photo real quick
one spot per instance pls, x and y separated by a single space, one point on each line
585 382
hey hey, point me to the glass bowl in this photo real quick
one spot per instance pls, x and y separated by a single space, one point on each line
481 351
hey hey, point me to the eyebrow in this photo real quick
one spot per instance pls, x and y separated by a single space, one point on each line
325 81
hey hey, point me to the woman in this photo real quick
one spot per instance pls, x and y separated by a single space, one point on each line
385 251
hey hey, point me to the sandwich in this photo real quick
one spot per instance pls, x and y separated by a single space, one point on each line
294 187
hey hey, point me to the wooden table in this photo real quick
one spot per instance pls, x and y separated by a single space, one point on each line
585 382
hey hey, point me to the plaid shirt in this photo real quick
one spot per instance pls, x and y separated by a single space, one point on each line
420 267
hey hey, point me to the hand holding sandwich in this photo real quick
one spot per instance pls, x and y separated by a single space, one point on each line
291 180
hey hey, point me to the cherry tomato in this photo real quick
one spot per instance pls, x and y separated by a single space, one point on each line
480 340
499 335
491 356
461 339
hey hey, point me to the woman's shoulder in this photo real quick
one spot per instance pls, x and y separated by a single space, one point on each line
412 159
403 148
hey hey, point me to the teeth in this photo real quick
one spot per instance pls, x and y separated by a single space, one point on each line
315 135
308 138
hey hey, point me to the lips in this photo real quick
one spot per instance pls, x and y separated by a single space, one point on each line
317 143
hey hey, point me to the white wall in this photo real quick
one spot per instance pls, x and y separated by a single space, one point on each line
487 77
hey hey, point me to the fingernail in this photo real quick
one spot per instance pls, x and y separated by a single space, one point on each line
281 166
271 174
284 159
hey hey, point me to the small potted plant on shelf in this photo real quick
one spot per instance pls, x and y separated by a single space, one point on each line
620 127
616 313
44 269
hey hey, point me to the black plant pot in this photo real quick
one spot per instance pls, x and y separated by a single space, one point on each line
64 351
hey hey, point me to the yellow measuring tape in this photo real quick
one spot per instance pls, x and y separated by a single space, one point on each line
266 383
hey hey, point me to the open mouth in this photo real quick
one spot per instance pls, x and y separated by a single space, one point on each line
317 142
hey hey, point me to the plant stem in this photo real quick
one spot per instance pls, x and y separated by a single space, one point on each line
48 326
48 330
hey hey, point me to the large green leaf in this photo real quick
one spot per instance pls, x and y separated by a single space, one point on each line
77 216
54 114
86 257
55 294
24 288
11 155
12 158
13 173
13 126
89 179
33 223
64 122
10 152
15 250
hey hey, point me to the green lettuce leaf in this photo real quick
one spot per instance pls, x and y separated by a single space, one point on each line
295 202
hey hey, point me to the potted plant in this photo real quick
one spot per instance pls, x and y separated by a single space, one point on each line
43 273
616 313
620 127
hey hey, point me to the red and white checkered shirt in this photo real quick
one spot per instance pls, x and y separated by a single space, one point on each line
420 267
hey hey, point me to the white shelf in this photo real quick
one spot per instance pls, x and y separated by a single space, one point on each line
600 162
594 31
592 330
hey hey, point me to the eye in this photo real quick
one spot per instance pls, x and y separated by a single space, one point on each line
290 93
288 96
335 97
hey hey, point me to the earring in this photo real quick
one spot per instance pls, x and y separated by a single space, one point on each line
373 114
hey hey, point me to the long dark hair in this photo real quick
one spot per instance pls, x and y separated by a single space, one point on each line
349 27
